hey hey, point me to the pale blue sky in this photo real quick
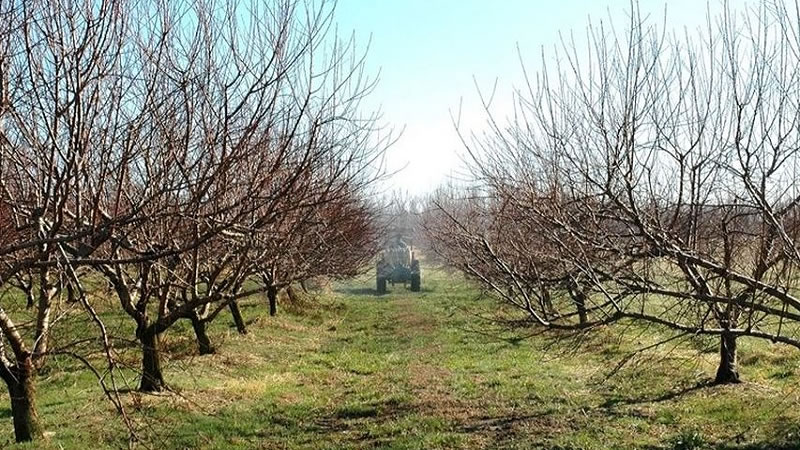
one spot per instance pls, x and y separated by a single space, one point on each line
428 51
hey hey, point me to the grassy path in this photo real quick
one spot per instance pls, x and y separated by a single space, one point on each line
408 371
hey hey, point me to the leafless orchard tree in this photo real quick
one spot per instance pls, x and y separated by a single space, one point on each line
62 126
333 238
505 248
258 107
146 142
652 178
323 226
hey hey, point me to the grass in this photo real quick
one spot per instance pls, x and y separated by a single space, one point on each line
422 370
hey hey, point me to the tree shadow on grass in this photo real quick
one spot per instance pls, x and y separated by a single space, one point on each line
367 425
357 292
502 424
355 416
509 430
372 292
671 395
356 424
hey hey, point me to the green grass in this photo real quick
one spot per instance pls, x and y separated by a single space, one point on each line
423 370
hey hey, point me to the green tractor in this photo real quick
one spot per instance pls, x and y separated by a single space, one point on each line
397 264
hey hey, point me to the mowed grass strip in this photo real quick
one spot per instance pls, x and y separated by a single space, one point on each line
427 370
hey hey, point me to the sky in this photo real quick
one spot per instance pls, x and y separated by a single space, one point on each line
432 56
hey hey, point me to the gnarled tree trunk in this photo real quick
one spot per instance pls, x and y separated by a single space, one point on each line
203 342
237 317
20 382
727 371
152 377
272 295
579 297
580 303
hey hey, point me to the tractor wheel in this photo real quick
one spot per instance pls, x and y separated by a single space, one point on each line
381 286
415 282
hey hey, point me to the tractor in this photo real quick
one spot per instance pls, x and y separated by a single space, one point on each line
397 264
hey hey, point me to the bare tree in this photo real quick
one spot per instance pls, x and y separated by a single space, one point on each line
58 129
328 229
141 140
253 111
656 173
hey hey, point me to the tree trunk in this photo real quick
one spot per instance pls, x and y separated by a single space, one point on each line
152 378
272 295
203 342
579 297
237 317
727 372
20 382
580 300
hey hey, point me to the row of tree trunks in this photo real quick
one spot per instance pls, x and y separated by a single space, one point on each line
200 327
152 375
21 386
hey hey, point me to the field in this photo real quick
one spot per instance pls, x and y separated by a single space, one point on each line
351 370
